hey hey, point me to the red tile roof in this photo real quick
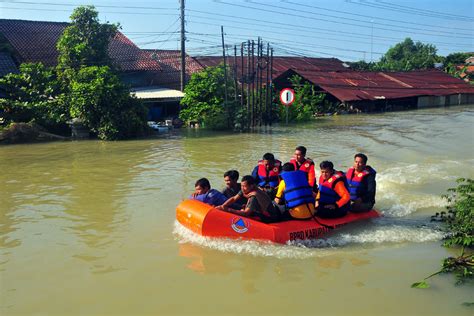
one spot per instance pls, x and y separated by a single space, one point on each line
35 41
170 63
358 85
172 59
7 65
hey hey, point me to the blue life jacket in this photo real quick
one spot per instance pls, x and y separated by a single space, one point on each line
355 178
297 191
212 197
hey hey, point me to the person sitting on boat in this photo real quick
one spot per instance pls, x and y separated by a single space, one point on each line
258 204
204 193
361 181
333 199
233 187
300 162
295 192
266 173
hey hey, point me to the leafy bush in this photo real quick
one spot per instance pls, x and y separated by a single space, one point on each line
460 208
33 95
460 225
204 100
100 100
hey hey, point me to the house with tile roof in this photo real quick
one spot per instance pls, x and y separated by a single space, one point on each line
155 72
35 41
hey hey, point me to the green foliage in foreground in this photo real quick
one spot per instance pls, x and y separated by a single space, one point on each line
459 222
461 209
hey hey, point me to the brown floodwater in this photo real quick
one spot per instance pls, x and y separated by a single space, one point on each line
89 227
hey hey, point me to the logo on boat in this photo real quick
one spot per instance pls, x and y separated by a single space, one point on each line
240 225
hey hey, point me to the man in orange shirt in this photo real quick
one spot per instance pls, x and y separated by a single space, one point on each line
333 199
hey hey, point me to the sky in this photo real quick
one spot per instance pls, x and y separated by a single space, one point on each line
350 30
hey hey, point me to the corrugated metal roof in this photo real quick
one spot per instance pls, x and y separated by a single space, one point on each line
359 85
35 41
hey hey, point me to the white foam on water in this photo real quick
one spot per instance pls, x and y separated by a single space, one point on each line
400 188
422 173
380 235
386 233
250 247
400 206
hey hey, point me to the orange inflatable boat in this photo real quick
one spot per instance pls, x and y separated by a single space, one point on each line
206 220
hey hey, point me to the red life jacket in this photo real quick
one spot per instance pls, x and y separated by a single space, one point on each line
305 166
327 194
354 179
271 178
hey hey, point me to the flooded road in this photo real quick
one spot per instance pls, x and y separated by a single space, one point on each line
89 227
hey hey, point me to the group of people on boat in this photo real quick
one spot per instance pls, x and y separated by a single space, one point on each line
277 192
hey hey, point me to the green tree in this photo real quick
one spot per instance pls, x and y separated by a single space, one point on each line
408 55
85 41
455 65
457 58
94 92
307 102
363 65
204 100
33 95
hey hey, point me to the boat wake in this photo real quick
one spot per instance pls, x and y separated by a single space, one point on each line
382 231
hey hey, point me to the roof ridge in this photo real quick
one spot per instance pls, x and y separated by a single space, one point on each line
33 21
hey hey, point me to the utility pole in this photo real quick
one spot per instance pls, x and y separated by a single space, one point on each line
371 40
225 65
235 74
242 75
267 88
253 85
249 117
183 49
271 86
260 87
257 103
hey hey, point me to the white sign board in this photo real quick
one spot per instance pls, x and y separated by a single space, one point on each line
287 96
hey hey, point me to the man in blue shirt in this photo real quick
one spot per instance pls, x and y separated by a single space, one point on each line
204 193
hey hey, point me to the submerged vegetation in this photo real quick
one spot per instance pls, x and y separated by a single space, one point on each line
459 221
